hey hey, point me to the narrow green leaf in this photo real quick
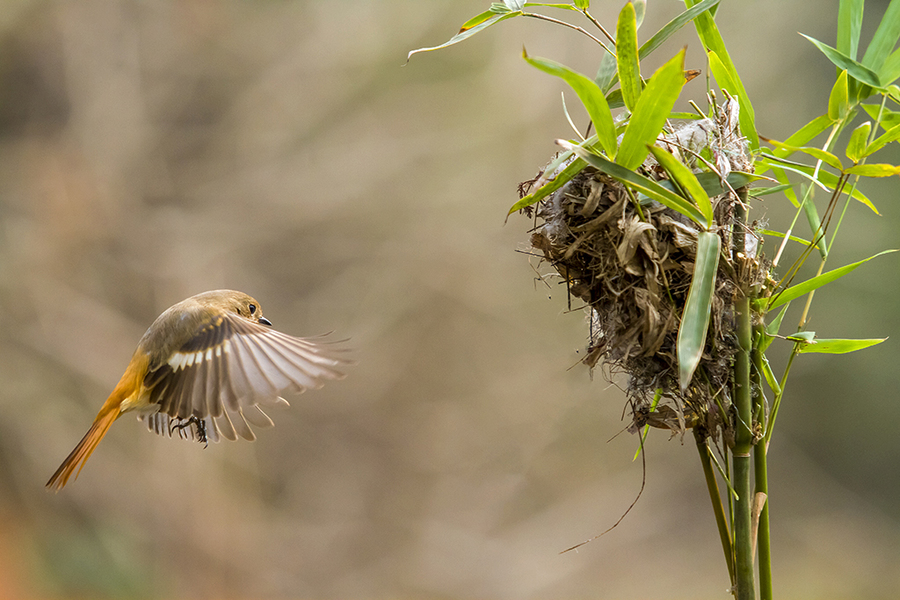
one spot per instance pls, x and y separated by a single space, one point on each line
712 183
857 144
674 25
885 37
562 178
839 100
686 180
779 234
583 4
640 8
881 141
826 180
695 321
815 223
725 78
470 28
801 336
514 4
589 94
552 5
889 118
856 70
803 135
606 73
826 157
713 42
759 192
890 71
627 56
644 185
874 170
850 14
651 112
838 346
772 330
801 289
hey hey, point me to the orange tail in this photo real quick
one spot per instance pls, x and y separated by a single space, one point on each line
83 450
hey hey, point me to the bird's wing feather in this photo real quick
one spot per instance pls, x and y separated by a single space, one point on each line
228 371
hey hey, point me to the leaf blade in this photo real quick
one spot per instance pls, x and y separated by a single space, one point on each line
838 346
801 289
695 322
629 68
651 112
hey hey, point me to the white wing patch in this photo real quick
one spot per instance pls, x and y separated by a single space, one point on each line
183 360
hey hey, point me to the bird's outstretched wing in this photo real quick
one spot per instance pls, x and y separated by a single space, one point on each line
231 370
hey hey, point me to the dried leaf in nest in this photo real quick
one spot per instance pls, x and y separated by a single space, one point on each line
633 270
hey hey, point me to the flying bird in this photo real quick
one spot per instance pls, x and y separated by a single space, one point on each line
206 368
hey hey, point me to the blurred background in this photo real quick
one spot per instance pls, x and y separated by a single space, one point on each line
153 150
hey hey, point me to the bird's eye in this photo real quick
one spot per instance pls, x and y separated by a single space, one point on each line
252 308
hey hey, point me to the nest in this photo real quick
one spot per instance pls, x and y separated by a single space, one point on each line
632 270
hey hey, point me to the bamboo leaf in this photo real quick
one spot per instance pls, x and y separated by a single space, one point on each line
713 42
583 4
874 170
779 234
562 178
890 71
686 180
839 100
803 135
857 144
856 70
470 28
884 139
674 25
815 224
627 56
651 112
826 157
795 291
726 81
640 8
887 118
824 179
850 15
695 321
885 37
771 330
644 185
589 94
838 346
606 73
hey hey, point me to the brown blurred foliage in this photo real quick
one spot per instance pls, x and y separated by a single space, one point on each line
153 150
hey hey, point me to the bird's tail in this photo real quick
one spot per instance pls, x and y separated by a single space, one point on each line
76 459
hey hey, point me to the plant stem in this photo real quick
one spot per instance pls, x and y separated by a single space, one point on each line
743 442
743 435
760 470
765 548
716 500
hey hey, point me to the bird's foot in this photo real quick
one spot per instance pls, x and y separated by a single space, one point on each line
199 423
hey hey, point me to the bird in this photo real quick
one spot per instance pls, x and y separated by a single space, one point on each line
206 368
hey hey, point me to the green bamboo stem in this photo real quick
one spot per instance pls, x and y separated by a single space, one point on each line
743 435
743 443
713 487
760 454
765 548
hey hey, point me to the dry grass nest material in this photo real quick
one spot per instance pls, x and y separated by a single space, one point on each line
633 272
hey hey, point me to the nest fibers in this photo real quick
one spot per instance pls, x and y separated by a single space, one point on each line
633 272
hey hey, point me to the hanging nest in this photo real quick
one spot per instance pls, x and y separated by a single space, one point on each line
632 270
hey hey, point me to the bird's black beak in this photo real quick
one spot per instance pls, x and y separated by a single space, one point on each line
265 321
